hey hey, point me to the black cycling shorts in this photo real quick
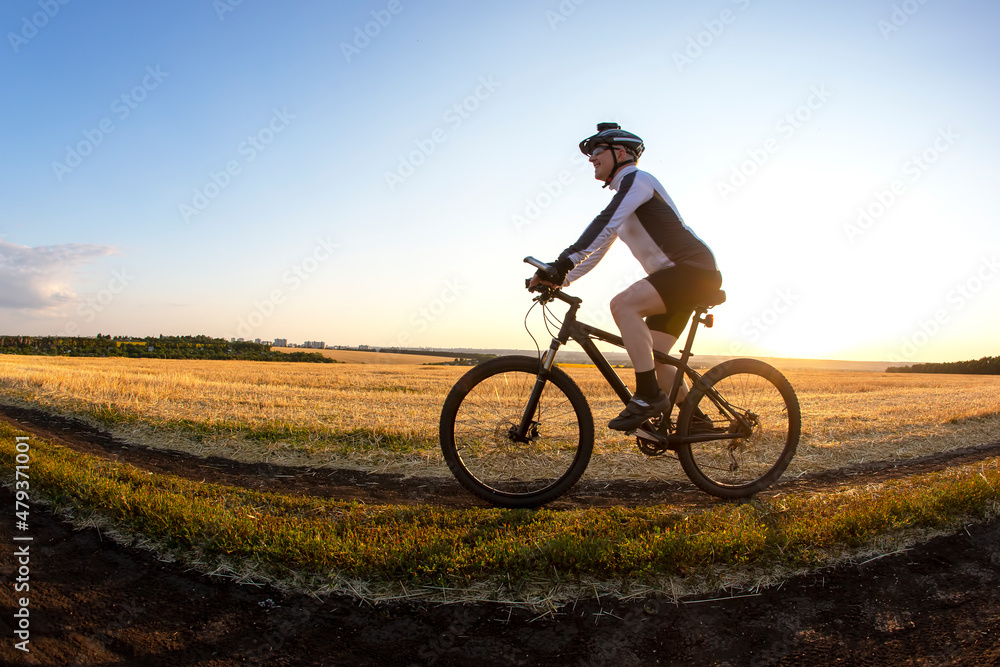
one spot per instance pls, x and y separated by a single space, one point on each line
681 287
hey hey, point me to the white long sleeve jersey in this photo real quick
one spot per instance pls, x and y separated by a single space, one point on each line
646 219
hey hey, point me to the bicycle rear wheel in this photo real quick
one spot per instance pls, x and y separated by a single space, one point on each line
769 421
478 428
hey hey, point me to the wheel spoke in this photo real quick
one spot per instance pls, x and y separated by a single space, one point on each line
479 433
761 397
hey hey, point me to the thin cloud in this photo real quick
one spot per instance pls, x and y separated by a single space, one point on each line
43 277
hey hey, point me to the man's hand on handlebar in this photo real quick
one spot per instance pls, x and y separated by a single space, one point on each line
549 275
537 280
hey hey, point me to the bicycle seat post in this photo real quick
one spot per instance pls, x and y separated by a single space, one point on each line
700 317
696 319
685 353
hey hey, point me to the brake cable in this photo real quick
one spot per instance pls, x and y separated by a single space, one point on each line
535 341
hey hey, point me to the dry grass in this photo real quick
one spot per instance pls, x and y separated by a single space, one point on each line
847 417
384 417
855 417
516 556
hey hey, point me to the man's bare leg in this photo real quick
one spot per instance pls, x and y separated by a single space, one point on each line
630 308
663 342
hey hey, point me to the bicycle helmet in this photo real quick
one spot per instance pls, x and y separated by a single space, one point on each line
611 135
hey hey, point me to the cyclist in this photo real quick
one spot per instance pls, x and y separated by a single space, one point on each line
681 269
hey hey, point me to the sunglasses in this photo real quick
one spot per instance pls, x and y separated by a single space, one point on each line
600 149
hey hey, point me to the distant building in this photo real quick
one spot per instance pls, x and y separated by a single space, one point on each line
315 344
280 342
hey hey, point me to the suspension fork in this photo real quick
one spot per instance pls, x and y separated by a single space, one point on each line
544 369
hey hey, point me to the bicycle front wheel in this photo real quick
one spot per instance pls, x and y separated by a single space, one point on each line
753 401
479 440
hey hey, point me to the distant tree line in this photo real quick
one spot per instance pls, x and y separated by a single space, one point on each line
162 347
464 358
984 366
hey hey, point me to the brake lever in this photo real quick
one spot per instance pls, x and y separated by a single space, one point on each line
537 288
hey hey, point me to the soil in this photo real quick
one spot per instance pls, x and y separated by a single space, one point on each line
95 602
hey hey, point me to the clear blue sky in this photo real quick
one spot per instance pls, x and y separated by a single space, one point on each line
374 172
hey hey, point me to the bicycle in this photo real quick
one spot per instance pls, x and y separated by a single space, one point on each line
517 431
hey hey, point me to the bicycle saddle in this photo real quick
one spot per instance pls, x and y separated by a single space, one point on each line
718 298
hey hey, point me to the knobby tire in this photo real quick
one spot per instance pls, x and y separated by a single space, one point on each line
482 412
741 467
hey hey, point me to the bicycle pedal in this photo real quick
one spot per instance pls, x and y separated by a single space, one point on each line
646 435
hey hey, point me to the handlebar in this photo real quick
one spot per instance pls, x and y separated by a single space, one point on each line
547 293
543 269
538 264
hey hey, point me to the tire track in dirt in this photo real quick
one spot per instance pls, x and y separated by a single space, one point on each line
95 601
381 488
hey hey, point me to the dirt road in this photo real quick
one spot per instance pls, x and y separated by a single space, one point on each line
94 602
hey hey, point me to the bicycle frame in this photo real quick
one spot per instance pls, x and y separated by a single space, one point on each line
585 334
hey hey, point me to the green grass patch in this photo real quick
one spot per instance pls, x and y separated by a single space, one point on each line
278 535
334 441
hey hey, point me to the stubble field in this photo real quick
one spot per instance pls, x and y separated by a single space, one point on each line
283 473
385 417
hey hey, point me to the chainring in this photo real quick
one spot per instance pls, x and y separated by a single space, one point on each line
651 447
